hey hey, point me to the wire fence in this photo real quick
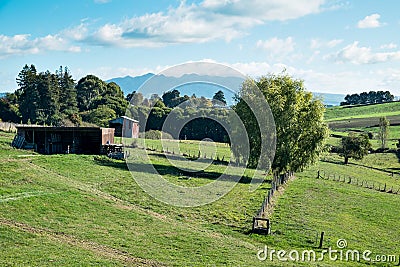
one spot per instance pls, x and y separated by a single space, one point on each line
191 154
373 185
261 223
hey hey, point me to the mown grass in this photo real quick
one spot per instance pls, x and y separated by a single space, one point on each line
367 220
70 200
378 110
187 147
100 203
376 144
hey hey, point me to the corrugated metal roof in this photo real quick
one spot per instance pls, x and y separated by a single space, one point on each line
123 117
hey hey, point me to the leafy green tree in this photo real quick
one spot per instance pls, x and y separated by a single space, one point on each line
9 109
99 116
299 118
383 131
135 98
112 97
159 104
89 89
204 102
354 146
156 118
139 113
219 98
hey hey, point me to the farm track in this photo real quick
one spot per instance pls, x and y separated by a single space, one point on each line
98 249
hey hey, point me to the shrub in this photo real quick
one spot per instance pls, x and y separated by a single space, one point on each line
155 135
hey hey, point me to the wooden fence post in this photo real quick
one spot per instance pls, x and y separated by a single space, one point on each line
254 223
321 240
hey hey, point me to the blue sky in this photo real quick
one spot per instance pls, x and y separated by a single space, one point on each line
334 46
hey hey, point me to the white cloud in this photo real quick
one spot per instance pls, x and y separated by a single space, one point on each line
277 47
391 79
318 44
264 10
364 55
340 82
198 23
389 46
187 23
371 21
22 44
77 33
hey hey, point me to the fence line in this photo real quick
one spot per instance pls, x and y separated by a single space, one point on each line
373 185
195 155
260 223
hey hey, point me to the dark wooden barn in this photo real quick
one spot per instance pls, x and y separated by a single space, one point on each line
59 140
125 127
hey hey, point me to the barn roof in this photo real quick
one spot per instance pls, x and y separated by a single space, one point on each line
57 128
118 120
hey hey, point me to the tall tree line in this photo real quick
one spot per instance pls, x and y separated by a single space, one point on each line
54 99
371 97
153 112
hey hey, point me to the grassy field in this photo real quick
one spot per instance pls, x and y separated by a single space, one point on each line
335 141
342 120
95 210
83 210
378 110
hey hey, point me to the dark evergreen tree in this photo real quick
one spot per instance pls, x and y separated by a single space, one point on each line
28 99
68 95
48 110
169 98
219 98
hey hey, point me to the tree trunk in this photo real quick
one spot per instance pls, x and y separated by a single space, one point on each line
346 160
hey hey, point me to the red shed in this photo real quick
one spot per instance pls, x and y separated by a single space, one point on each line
125 127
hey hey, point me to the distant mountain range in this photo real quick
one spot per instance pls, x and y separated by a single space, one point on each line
330 99
2 95
189 85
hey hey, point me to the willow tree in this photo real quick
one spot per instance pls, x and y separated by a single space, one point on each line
299 120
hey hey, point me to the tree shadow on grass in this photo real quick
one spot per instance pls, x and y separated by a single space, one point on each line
167 169
387 170
164 169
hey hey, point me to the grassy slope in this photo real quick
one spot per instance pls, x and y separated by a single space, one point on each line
337 114
342 211
343 113
102 206
73 210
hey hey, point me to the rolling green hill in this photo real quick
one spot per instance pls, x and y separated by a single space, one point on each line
75 210
341 120
368 111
